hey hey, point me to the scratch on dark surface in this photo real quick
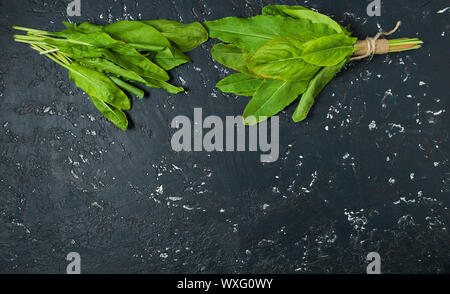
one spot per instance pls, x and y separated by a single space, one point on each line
426 3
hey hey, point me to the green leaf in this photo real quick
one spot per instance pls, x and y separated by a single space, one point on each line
116 51
281 59
271 98
279 9
329 50
231 56
94 39
185 36
240 84
107 66
252 33
317 84
75 48
169 59
138 64
77 51
315 18
131 59
128 87
115 115
163 85
300 12
138 35
98 85
85 27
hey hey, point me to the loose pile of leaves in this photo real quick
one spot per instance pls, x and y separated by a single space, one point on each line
284 53
104 60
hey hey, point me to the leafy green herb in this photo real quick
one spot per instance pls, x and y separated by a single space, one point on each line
185 37
252 33
300 12
130 88
279 55
115 115
286 52
272 97
283 59
316 86
163 85
329 50
240 84
104 60
231 56
169 59
99 85
138 35
106 66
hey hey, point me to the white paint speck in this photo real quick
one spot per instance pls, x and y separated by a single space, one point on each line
183 82
387 94
95 204
443 10
74 174
436 113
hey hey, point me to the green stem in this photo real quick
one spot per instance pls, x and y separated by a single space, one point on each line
50 51
404 44
28 38
35 47
64 58
401 50
30 42
128 87
32 31
42 39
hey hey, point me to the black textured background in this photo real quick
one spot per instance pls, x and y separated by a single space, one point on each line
368 171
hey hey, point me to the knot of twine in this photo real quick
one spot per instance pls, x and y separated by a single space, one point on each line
372 42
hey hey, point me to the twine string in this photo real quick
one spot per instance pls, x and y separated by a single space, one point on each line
372 42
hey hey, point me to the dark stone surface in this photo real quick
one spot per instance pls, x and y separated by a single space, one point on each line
70 181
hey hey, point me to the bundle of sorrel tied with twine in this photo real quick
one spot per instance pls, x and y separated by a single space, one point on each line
375 45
